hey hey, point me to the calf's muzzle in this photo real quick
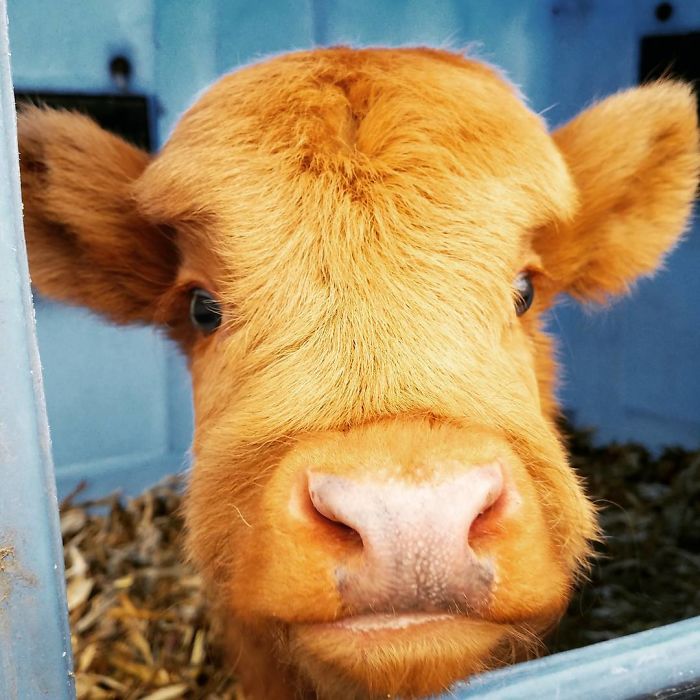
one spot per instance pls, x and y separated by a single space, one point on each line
419 547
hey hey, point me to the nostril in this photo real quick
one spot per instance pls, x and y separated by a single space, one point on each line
482 523
344 531
323 491
488 518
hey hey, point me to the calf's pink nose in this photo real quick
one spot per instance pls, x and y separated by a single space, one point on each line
416 553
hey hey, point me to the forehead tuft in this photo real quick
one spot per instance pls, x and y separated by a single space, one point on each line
407 118
364 115
339 108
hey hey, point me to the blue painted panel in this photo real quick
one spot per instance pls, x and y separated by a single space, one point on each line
660 379
182 68
68 45
247 31
35 653
394 23
105 386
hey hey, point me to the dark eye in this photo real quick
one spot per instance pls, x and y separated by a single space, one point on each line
525 292
205 311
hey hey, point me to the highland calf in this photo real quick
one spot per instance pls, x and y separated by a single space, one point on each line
355 250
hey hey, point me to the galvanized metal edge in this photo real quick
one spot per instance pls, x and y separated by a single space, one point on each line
644 665
35 652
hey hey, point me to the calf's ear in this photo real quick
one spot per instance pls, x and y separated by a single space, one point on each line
634 159
87 243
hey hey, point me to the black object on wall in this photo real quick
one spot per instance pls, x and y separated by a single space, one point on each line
126 115
670 56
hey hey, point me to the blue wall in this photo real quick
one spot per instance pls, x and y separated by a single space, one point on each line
118 400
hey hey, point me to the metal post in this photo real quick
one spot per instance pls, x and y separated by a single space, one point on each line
35 654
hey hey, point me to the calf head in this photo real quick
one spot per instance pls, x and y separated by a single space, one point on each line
355 250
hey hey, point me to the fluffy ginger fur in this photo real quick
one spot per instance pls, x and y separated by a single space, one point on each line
362 215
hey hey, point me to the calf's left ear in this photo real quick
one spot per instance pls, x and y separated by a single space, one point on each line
634 159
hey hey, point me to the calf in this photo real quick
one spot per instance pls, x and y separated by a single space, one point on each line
355 250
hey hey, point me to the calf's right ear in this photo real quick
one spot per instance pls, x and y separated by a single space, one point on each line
86 241
634 158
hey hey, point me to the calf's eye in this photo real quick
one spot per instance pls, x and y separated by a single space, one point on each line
205 311
525 293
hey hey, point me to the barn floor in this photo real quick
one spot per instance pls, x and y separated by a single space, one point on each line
140 628
138 621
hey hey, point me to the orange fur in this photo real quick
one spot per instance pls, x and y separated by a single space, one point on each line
362 216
